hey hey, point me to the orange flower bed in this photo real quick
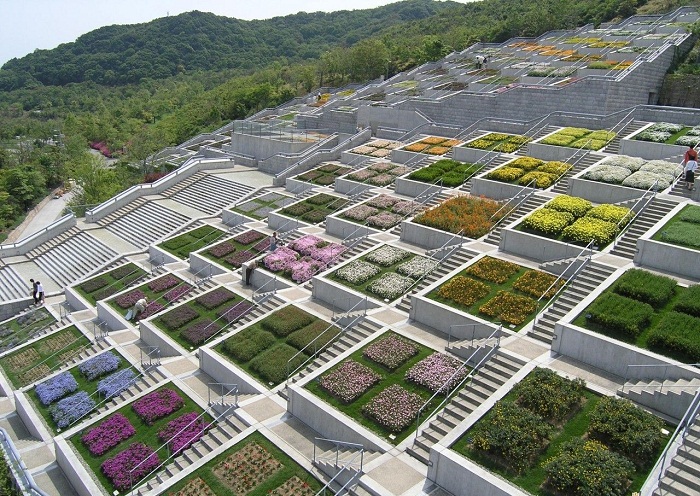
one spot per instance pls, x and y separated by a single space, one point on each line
468 214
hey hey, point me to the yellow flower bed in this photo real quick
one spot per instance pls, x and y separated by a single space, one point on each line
509 308
493 269
572 204
506 174
542 180
576 132
535 283
463 290
481 144
548 221
432 140
438 150
588 229
526 163
416 147
612 213
555 167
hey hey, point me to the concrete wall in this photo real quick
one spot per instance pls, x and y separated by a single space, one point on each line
234 219
341 298
347 186
34 424
412 188
535 247
472 155
427 237
163 256
342 228
263 147
12 308
226 372
296 186
201 265
152 336
550 152
30 242
495 190
599 192
649 150
282 223
441 317
75 299
74 469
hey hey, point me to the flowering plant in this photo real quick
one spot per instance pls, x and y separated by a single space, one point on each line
417 267
248 237
360 212
71 408
509 307
535 283
548 221
383 201
384 220
99 440
163 283
387 255
56 388
99 365
201 331
391 351
114 384
157 404
357 272
234 312
493 269
571 204
381 179
280 258
390 286
129 299
130 466
437 372
588 229
183 431
611 213
394 408
177 292
221 250
240 257
630 163
215 298
607 173
463 290
349 381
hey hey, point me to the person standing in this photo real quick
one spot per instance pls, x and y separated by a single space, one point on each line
273 241
34 291
39 298
690 163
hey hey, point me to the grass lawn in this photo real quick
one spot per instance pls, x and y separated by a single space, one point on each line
146 434
289 469
389 378
18 330
181 246
41 358
683 229
109 283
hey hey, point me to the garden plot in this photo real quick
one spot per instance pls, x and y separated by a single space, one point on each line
110 283
550 436
254 467
499 142
20 329
497 291
683 229
634 172
312 210
432 145
302 258
449 173
324 175
258 208
161 292
670 134
126 446
380 213
383 385
526 170
39 359
181 246
233 252
381 174
577 137
276 345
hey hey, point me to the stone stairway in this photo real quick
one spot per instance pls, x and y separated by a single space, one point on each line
587 281
495 162
71 259
184 183
679 189
561 186
348 461
614 145
494 237
199 194
655 393
490 377
543 131
145 224
682 477
657 208
121 212
12 285
459 258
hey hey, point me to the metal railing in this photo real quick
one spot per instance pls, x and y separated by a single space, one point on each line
19 470
338 445
345 467
459 326
233 390
100 330
152 357
655 367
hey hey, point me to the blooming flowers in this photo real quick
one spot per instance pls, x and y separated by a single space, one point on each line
634 172
437 372
387 255
99 440
122 469
304 257
70 409
349 381
417 267
390 286
99 365
391 351
114 384
357 272
56 388
394 408
183 431
157 404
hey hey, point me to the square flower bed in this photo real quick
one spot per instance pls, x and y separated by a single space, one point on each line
499 142
377 148
438 372
197 320
324 175
161 292
314 209
382 212
382 174
111 282
259 207
238 250
683 229
181 246
524 170
432 145
634 172
264 348
451 172
576 220
302 258
670 134
254 467
386 396
575 137
474 217
38 360
375 273
496 290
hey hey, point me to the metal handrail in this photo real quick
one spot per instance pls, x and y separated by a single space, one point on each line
258 292
223 316
472 373
345 467
152 351
17 466
233 390
643 198
449 332
573 276
337 444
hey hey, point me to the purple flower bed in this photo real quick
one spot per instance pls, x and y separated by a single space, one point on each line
221 250
157 404
70 409
304 269
99 440
56 387
175 294
201 331
349 381
280 259
163 283
391 351
394 408
114 384
215 298
435 371
129 299
306 244
234 312
99 365
178 317
263 245
152 308
360 212
182 432
240 257
385 220
248 237
120 469
328 253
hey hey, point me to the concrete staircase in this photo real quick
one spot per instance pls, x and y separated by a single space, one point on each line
657 208
145 224
587 281
490 377
459 258
614 145
658 394
494 237
145 381
561 187
12 285
543 131
70 259
210 193
682 477
679 189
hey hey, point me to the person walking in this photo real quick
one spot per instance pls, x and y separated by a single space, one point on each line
39 298
34 291
690 165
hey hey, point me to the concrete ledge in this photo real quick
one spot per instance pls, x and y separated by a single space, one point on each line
342 228
296 186
74 469
32 241
472 155
153 336
427 237
535 247
345 186
409 187
75 299
649 150
550 152
282 223
495 190
227 372
440 316
234 219
161 255
599 192
31 420
114 320
403 156
199 263
12 308
340 297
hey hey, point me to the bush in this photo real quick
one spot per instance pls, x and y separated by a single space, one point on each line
690 213
247 344
93 284
549 395
588 468
201 331
321 199
509 308
273 363
542 180
627 430
287 320
178 317
473 216
578 207
512 434
493 269
689 301
301 338
646 287
463 290
506 174
611 213
526 163
298 209
548 221
620 314
587 229
213 299
678 333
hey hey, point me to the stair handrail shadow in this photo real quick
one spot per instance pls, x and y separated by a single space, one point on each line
346 466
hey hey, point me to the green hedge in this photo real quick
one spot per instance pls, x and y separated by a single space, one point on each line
287 320
247 344
646 287
689 301
301 338
549 395
621 314
679 334
272 363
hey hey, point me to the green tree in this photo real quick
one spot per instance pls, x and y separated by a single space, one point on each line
96 182
25 185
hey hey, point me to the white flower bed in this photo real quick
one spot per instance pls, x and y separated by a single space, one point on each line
417 267
357 272
607 174
688 140
631 163
694 132
390 286
645 179
666 127
653 136
662 167
387 255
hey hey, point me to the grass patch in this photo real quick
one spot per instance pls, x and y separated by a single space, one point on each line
109 283
259 207
181 246
324 175
314 209
683 229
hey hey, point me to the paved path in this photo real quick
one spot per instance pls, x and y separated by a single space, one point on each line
45 213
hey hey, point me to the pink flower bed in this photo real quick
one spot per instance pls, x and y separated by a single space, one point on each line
176 293
360 212
304 269
349 381
119 469
221 250
280 259
383 201
129 299
315 253
182 432
152 308
248 237
385 220
163 283
240 257
99 440
391 351
435 371
157 404
394 408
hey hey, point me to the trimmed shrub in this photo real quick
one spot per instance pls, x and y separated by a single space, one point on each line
287 320
303 337
246 345
578 207
178 317
506 174
535 283
493 269
646 287
548 221
678 333
611 213
587 229
509 308
689 301
272 364
463 290
620 314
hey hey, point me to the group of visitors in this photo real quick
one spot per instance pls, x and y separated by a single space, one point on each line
690 165
37 292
